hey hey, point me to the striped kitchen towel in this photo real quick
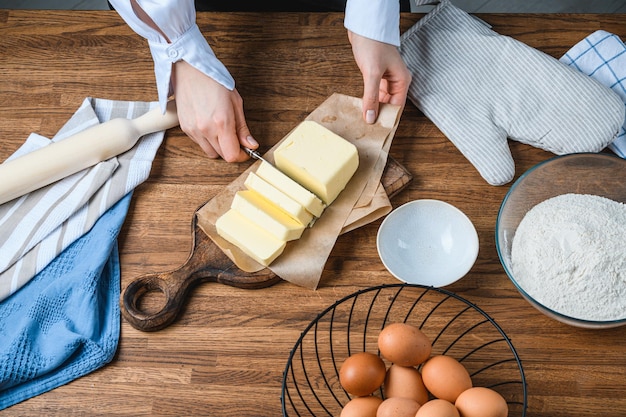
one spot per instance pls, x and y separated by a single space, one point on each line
602 55
481 88
35 228
58 247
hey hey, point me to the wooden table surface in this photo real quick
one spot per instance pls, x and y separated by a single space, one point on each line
225 355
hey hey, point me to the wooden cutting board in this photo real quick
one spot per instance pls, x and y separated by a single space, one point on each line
207 263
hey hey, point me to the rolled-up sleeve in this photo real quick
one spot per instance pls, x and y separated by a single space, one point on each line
174 37
374 19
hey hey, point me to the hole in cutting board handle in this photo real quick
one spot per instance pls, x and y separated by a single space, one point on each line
149 319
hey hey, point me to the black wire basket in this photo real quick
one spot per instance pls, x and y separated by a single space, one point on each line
455 326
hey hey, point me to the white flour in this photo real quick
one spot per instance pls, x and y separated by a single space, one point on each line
569 253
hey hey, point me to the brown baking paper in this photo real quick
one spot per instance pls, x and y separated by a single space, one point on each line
362 201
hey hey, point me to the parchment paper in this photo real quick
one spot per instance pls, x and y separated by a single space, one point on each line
362 201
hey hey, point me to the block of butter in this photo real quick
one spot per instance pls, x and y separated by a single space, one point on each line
314 166
265 214
248 236
294 190
287 204
318 159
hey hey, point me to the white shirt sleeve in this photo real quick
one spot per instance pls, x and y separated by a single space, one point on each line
177 38
374 19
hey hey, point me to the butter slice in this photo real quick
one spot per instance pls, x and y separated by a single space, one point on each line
288 205
253 240
288 186
266 215
318 159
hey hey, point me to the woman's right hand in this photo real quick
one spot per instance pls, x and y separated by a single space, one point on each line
211 115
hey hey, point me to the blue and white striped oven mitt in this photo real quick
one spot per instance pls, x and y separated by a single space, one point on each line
481 88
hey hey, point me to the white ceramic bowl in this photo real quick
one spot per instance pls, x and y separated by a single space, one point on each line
427 242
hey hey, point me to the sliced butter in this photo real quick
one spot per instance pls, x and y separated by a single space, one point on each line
288 186
280 199
318 159
253 240
267 216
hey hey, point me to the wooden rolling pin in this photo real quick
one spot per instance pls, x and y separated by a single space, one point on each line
60 159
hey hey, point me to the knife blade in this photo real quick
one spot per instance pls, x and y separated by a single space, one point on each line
256 155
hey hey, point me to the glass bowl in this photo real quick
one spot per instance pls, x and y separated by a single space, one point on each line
585 173
427 242
455 326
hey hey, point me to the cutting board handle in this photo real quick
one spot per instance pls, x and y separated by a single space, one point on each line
206 262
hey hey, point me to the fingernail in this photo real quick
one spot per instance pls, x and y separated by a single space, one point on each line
370 116
252 141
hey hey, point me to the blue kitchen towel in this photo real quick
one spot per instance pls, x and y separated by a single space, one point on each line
602 55
65 322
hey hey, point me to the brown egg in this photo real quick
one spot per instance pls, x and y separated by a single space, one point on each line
405 382
437 408
445 377
362 373
404 344
398 407
481 402
361 407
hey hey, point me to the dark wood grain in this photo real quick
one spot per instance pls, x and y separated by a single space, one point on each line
226 353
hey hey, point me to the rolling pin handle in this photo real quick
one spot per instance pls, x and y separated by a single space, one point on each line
82 150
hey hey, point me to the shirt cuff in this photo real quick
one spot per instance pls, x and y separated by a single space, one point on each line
192 48
374 19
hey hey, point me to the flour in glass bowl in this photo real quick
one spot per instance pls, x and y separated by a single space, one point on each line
569 254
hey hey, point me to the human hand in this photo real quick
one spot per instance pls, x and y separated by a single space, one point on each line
386 78
211 115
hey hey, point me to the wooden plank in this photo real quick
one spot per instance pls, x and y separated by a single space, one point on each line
226 354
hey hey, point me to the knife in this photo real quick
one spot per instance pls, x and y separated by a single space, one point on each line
255 154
